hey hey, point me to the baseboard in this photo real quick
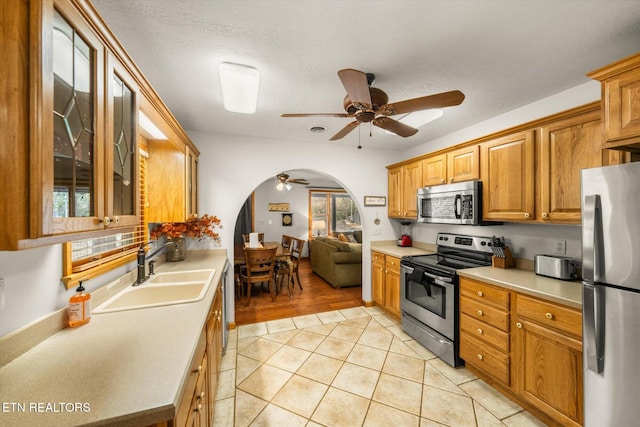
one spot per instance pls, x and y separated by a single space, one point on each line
231 325
368 303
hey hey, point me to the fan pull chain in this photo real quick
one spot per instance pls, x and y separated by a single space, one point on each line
359 133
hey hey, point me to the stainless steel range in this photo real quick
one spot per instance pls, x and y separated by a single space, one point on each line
429 292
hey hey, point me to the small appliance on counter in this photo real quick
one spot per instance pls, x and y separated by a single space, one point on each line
558 267
405 239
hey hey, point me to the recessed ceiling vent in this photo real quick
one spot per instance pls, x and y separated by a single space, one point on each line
317 129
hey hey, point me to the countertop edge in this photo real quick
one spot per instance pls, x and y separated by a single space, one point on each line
568 293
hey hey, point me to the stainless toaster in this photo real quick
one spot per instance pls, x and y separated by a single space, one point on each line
559 267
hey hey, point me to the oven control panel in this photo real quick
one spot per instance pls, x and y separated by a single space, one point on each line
472 243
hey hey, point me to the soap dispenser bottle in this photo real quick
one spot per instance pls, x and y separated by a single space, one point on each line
79 307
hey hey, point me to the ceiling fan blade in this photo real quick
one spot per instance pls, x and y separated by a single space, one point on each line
317 115
440 100
394 126
355 83
299 181
344 131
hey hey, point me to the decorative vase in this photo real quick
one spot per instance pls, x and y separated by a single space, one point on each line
178 251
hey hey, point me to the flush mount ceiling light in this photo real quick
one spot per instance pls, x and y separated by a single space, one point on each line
239 87
149 127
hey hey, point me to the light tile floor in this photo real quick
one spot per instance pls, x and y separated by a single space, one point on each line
352 367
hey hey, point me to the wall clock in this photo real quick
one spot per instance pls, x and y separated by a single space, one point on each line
287 219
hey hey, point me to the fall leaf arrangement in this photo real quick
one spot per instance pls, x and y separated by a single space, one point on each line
201 229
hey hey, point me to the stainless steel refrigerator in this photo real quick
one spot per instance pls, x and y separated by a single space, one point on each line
611 295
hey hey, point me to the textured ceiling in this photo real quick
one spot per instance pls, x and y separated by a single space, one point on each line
501 54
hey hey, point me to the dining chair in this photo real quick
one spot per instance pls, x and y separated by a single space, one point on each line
286 242
259 267
297 245
245 238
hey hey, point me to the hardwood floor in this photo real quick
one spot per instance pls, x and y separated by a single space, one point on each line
317 296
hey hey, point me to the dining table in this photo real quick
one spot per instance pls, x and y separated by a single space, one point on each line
282 255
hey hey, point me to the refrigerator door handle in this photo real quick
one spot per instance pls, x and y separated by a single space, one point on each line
592 239
593 315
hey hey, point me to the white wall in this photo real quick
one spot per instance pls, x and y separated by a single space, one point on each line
232 167
270 223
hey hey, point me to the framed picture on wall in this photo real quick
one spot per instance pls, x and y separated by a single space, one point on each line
287 220
375 201
278 207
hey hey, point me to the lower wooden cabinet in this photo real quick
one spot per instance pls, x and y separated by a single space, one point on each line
195 386
548 345
529 348
385 282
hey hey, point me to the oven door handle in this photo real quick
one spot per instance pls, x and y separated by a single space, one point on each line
444 280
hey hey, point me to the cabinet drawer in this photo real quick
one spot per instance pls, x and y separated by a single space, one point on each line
485 332
377 258
488 360
482 292
392 263
550 314
485 313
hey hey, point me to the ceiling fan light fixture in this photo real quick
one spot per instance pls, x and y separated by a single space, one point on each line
240 84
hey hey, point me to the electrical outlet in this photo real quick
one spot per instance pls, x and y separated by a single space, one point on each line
561 247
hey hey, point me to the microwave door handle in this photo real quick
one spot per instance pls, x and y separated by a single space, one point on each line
457 208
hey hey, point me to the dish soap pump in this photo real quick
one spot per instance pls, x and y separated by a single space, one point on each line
79 307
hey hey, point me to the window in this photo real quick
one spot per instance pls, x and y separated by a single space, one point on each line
332 212
88 258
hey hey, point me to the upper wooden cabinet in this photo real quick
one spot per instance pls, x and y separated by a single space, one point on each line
404 182
462 164
508 177
70 145
621 102
566 147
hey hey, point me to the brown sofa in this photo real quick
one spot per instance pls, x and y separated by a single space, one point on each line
337 262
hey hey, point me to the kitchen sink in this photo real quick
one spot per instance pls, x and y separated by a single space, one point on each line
162 289
182 276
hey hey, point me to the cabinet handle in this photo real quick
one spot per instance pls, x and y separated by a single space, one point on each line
197 371
480 293
480 313
480 357
116 219
519 325
201 396
479 331
451 179
549 316
106 221
527 215
198 408
442 181
545 215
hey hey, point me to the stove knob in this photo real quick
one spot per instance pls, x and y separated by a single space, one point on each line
483 243
446 239
440 238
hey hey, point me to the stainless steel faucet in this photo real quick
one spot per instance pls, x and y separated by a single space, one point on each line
142 258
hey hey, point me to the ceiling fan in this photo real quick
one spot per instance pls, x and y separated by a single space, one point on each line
284 181
369 104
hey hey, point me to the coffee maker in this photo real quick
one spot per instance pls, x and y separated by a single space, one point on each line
405 239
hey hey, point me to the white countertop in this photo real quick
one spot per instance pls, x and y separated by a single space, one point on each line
126 368
527 282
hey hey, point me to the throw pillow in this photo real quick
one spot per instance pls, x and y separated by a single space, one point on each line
351 238
342 237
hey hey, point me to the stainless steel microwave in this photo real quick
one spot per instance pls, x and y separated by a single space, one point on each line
458 203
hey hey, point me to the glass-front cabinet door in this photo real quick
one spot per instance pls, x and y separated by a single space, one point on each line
121 153
84 161
73 130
